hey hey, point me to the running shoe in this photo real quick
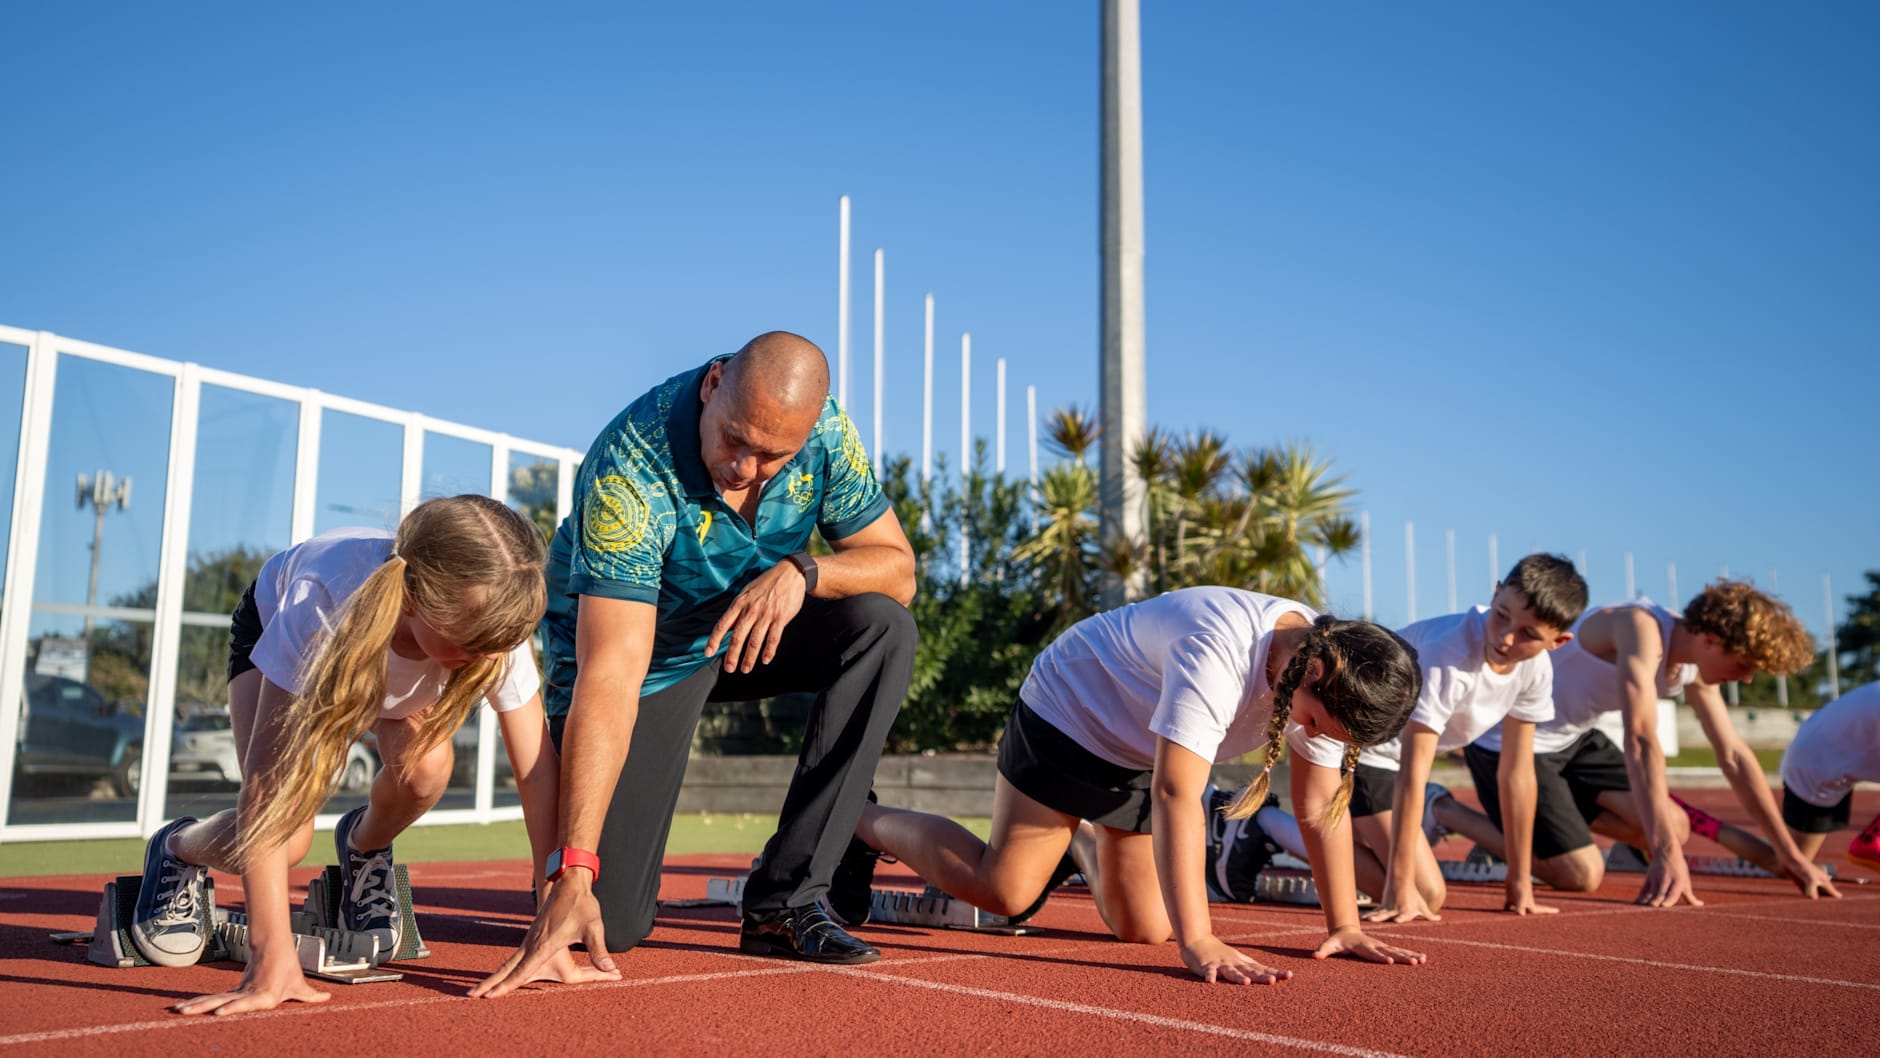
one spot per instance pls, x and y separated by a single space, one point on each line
173 919
368 899
1238 850
1865 849
1432 792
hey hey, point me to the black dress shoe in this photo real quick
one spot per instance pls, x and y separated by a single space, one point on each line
806 933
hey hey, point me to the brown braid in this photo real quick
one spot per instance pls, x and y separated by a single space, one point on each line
1253 795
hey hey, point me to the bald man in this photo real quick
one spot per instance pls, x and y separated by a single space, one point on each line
681 577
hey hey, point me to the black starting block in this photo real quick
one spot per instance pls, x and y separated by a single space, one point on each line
324 951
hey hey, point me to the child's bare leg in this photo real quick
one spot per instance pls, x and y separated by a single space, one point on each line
211 842
1129 898
1579 871
1370 852
1002 876
1458 818
1622 820
1810 844
406 787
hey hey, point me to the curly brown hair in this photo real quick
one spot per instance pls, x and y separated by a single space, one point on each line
1753 626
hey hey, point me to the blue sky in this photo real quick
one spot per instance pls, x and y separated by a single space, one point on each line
1596 277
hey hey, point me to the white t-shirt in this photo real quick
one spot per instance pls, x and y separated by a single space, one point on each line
1188 666
300 594
1836 748
1586 685
1463 697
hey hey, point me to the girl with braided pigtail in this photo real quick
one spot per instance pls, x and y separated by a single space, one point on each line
1109 750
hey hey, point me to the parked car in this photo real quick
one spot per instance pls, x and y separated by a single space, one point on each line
68 729
203 750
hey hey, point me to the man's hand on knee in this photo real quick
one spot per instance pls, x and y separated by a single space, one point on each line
753 625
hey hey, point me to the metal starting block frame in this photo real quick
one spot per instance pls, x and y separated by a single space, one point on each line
1472 871
898 907
1624 859
1289 886
324 951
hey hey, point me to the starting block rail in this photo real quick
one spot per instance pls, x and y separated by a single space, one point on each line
1624 859
324 950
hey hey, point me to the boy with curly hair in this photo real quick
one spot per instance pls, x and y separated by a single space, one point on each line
1623 658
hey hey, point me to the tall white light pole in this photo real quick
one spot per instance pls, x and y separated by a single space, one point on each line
1031 446
1671 585
926 402
842 311
1000 432
966 448
1364 533
1834 662
1631 582
1410 568
1449 552
1494 564
1782 681
1123 330
880 360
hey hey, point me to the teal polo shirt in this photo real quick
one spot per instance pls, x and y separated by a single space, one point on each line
648 525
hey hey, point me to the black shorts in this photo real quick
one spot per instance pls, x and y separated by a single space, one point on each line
1373 791
1807 818
1567 788
1051 768
244 631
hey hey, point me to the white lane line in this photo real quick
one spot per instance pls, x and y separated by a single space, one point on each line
1432 938
1154 1020
1824 923
179 1021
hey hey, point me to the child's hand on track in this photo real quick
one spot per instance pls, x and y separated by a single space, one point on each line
1667 881
1406 908
1521 901
1354 941
262 988
1212 959
1810 879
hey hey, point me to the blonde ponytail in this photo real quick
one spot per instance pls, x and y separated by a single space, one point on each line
468 566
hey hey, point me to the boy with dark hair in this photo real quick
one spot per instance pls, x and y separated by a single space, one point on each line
1624 658
1481 668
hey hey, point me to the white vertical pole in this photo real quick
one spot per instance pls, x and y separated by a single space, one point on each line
1782 681
1364 531
1449 551
1410 570
1494 563
880 286
842 310
1730 693
1031 446
926 402
1834 663
1631 582
966 446
1000 430
1583 569
1671 584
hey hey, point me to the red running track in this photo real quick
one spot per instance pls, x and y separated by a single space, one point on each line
1758 970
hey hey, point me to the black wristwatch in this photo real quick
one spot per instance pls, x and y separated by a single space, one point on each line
803 561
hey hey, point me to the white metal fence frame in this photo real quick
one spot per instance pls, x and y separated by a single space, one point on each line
22 553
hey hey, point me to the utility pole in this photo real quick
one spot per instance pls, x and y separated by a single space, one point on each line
1122 329
101 490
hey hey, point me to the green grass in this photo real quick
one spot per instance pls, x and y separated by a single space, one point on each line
1702 756
691 832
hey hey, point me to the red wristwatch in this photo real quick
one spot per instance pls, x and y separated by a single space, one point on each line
568 856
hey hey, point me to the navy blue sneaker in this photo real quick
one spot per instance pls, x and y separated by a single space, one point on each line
368 899
173 918
1238 850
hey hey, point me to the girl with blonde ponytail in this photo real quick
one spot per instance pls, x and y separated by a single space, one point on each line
358 630
1108 754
